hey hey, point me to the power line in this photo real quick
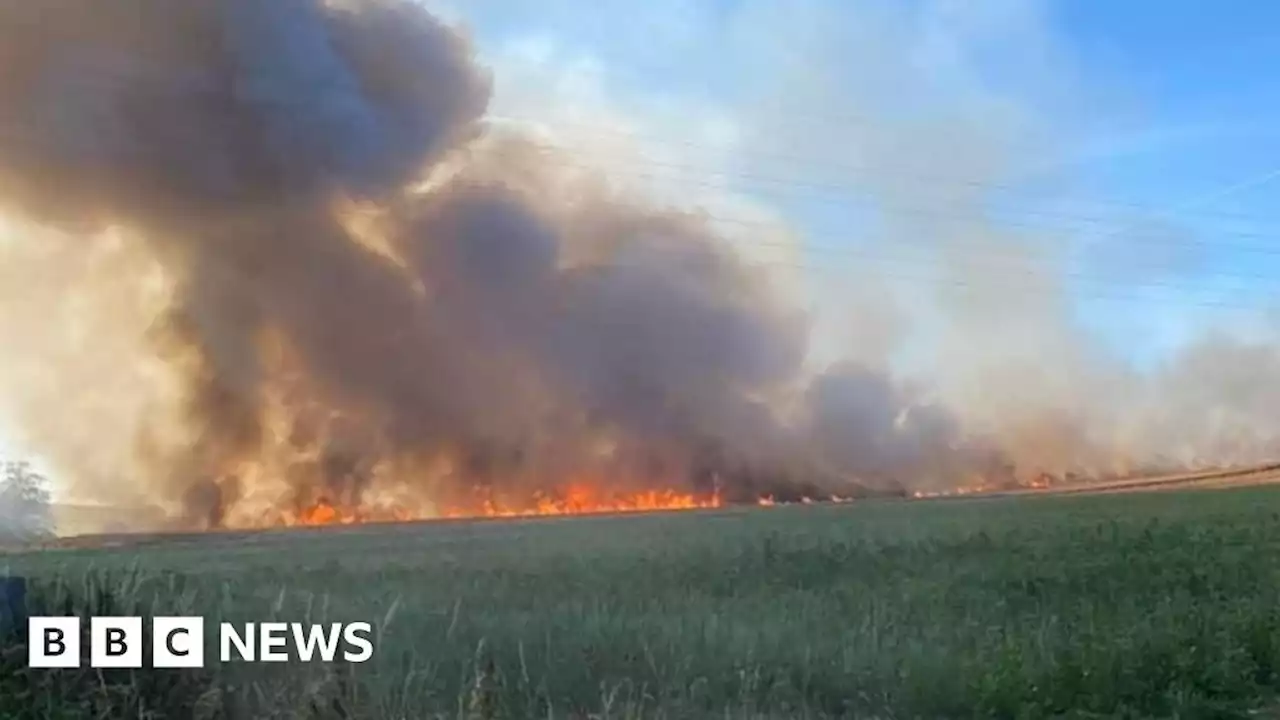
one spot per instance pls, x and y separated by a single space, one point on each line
974 218
862 195
1030 275
952 217
879 205
553 155
923 180
1011 291
741 243
1225 191
953 245
870 170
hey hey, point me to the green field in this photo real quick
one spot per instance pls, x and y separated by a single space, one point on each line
1140 605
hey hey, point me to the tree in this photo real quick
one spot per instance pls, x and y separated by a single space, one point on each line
25 508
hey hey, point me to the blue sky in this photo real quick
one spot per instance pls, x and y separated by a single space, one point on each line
1197 75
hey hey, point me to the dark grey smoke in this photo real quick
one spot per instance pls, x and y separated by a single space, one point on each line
225 130
147 106
228 131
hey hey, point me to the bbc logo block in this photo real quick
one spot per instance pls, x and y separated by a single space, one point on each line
53 642
115 642
179 642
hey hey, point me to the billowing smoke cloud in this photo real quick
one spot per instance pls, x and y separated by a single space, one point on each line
366 293
229 135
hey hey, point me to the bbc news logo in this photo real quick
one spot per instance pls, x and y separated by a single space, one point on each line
178 642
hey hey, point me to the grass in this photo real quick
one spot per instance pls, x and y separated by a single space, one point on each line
1142 605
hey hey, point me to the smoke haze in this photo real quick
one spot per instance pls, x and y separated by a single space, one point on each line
259 253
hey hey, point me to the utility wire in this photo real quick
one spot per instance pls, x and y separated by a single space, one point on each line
844 191
980 217
843 194
874 254
1213 196
870 171
952 217
1053 281
1011 290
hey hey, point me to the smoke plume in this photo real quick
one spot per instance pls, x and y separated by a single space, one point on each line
315 269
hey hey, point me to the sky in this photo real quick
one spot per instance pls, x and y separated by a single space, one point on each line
1162 124
1139 142
1195 74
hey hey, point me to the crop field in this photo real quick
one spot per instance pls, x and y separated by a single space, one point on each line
1128 605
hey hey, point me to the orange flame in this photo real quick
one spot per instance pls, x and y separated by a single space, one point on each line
324 512
586 499
575 499
578 498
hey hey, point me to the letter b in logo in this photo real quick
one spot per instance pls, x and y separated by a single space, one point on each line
115 642
53 642
177 642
